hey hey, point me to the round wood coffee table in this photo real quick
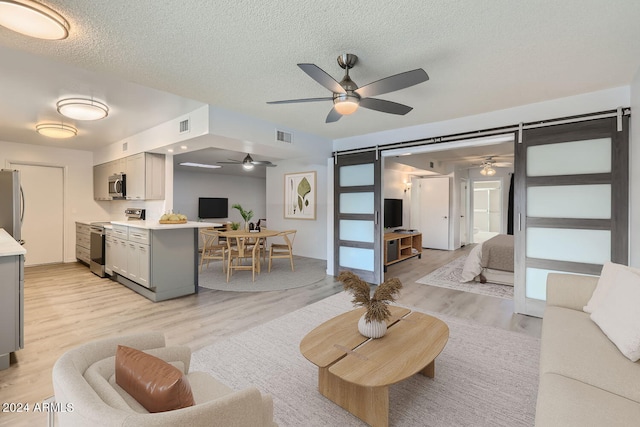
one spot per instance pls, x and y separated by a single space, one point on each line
355 372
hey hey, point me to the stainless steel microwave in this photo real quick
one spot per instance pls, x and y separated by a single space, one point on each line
118 186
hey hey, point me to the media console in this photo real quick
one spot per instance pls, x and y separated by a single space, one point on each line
401 246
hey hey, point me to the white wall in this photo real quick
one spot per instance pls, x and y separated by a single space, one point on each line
310 239
609 99
249 192
78 186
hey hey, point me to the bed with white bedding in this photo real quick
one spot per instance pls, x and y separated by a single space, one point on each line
491 261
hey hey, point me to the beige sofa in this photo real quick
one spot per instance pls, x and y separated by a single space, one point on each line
584 379
84 385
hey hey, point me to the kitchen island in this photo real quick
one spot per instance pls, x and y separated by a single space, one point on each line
158 261
11 297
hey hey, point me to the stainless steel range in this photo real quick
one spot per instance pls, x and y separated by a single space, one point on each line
96 249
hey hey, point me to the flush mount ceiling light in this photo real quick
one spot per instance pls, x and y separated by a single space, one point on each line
82 108
56 130
200 165
33 19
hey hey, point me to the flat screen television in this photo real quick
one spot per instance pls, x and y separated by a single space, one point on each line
213 207
392 213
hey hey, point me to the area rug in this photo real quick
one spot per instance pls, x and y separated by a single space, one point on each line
449 275
307 271
484 376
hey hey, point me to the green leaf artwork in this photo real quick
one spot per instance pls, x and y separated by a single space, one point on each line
304 188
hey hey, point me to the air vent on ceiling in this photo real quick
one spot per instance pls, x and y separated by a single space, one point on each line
283 136
184 126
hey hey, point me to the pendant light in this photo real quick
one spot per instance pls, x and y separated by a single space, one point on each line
56 130
82 108
33 19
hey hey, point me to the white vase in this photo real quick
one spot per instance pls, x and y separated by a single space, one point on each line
373 329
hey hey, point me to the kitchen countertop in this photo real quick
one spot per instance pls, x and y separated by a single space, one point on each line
9 246
155 225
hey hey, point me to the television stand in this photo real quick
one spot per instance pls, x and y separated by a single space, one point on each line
401 246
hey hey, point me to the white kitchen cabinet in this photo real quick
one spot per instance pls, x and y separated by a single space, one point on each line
108 251
83 242
100 180
138 260
145 176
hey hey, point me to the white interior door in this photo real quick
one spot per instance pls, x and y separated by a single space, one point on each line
434 212
43 226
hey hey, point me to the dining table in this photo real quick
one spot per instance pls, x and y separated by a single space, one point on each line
251 234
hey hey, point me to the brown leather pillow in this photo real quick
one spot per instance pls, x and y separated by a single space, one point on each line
155 384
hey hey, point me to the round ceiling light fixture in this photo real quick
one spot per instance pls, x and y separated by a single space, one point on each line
56 130
247 163
82 108
33 19
346 103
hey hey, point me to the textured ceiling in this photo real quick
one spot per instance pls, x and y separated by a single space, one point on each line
480 55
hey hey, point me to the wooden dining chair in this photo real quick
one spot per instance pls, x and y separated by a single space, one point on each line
213 248
239 250
283 250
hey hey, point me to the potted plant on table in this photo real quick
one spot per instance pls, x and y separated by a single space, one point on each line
246 215
373 323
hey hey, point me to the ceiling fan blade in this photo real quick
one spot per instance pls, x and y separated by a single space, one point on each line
292 101
393 83
230 163
333 116
261 162
385 106
319 75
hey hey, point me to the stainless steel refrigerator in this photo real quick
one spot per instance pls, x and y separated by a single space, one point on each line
11 269
11 203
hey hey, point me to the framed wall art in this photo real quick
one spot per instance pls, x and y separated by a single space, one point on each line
300 195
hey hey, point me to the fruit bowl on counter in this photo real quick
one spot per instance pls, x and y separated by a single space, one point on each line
173 219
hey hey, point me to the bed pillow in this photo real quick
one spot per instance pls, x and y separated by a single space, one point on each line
618 315
472 265
152 382
607 278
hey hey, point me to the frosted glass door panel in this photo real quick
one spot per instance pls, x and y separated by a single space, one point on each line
358 258
357 231
570 158
351 176
537 282
570 201
574 245
357 203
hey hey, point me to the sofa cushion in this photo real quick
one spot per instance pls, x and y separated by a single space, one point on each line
101 375
574 346
618 314
155 384
608 277
566 402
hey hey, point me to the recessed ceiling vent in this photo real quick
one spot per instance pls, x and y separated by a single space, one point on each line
283 136
184 126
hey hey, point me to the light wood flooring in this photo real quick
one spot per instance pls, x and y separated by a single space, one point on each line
66 305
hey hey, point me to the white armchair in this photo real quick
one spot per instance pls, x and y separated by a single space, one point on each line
84 382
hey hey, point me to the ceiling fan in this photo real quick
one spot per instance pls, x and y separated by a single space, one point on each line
487 166
347 96
248 163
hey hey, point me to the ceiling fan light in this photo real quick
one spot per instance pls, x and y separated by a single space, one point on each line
247 166
33 19
82 108
346 104
56 130
491 171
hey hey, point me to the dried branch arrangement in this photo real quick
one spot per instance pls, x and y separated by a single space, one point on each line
375 305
